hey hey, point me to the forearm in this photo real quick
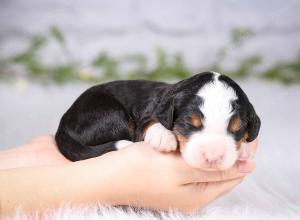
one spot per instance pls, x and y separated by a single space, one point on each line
40 188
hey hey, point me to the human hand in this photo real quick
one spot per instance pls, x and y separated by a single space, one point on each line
41 151
152 179
136 175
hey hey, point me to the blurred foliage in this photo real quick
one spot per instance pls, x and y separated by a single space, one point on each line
287 73
58 35
240 35
167 66
36 69
246 65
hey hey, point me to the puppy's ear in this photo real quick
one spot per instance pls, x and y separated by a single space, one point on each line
253 125
165 112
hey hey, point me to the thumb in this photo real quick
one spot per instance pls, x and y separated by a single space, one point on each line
218 189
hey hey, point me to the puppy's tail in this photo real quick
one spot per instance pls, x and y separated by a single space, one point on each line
74 150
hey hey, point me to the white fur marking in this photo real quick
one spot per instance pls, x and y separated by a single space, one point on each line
122 144
216 74
209 144
217 105
213 143
160 138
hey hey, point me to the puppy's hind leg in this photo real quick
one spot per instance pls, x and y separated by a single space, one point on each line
93 126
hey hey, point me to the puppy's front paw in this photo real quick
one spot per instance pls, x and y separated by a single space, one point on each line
160 138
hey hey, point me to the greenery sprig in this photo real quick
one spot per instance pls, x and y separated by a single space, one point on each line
167 67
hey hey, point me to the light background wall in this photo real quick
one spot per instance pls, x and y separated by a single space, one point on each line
194 28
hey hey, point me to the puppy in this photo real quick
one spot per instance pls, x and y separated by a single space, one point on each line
207 117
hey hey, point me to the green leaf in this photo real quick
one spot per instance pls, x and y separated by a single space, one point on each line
57 34
246 66
37 42
287 73
100 60
63 73
240 35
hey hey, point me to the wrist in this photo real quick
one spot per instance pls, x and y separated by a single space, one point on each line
92 180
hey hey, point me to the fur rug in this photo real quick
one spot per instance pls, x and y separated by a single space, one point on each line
108 213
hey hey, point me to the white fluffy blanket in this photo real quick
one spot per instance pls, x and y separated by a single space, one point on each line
214 213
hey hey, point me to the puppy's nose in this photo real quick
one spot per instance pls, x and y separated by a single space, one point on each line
213 158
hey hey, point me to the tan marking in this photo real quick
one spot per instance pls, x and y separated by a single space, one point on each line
181 140
235 124
196 121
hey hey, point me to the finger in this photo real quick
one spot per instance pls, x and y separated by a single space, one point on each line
43 138
247 151
253 147
36 144
205 193
218 189
246 166
237 171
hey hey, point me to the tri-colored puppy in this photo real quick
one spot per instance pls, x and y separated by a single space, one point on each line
207 117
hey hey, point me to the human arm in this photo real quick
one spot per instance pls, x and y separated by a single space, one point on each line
136 175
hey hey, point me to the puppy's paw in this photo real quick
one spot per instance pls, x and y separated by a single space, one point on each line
160 138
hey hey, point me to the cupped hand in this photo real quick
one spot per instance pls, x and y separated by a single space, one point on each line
152 179
139 175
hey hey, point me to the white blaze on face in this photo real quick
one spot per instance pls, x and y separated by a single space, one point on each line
217 106
213 147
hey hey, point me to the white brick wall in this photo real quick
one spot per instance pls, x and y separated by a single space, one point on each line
195 28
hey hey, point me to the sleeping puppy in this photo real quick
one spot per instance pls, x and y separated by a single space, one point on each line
207 117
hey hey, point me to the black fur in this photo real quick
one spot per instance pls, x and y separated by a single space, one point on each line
244 109
121 110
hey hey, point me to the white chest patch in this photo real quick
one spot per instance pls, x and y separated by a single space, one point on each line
217 97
